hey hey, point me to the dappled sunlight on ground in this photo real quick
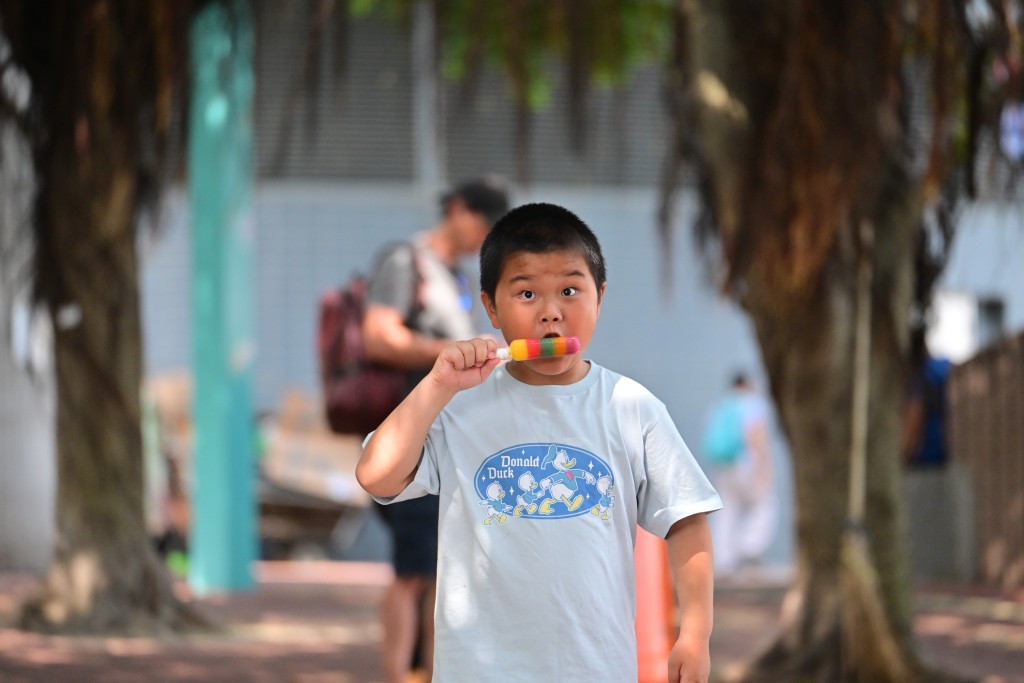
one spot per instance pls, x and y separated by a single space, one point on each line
131 647
46 655
952 627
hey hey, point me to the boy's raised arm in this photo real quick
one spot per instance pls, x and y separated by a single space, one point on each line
690 557
389 459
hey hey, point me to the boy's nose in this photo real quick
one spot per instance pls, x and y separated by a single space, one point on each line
551 316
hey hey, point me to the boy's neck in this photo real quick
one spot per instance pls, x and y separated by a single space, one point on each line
522 373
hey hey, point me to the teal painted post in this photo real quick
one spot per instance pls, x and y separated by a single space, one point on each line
223 540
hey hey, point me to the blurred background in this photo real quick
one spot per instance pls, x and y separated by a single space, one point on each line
354 138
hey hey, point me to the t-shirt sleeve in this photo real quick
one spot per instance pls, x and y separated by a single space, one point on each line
425 480
392 281
673 486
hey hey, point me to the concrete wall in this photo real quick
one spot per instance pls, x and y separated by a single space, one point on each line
940 516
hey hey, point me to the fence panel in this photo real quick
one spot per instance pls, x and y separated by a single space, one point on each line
986 435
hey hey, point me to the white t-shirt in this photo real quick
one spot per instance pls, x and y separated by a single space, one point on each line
541 491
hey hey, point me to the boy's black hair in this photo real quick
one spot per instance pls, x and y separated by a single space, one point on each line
486 196
538 228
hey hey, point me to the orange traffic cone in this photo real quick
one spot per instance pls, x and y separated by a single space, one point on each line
655 605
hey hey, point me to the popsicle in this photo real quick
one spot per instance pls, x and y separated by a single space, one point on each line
549 347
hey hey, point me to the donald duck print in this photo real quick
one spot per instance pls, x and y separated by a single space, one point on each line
546 481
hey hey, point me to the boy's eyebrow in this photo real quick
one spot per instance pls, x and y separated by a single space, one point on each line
526 278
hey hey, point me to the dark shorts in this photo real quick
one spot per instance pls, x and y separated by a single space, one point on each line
413 525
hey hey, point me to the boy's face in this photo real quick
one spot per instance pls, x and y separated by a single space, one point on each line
546 295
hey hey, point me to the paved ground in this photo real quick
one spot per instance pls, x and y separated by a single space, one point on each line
315 622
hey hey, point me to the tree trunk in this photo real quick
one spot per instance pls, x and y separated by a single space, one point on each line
808 353
102 75
798 114
105 576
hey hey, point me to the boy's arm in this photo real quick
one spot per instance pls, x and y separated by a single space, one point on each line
389 459
689 556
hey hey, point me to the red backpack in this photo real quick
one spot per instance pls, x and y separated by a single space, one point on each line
358 394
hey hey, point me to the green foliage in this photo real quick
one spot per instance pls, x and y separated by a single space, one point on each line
600 41
391 9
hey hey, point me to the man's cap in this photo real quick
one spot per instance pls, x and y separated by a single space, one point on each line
487 196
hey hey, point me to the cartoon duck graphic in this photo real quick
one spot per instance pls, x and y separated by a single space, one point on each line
563 485
495 492
604 486
527 500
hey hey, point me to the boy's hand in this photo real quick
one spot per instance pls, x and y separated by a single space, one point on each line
689 661
689 556
465 364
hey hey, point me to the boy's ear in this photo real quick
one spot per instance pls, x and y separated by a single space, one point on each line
600 296
492 311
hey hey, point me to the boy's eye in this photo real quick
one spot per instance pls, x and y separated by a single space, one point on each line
568 291
527 294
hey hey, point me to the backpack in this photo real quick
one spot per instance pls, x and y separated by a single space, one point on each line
358 394
723 439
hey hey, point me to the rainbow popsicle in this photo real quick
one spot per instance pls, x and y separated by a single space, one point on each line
549 347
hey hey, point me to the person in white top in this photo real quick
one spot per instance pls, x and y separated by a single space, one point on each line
745 528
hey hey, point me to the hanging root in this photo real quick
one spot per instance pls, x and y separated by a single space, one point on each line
872 652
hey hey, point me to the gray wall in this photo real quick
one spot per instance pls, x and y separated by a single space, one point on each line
27 482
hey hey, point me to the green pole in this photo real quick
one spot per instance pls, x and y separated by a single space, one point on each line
222 541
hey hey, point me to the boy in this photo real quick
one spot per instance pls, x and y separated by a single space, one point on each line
535 574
